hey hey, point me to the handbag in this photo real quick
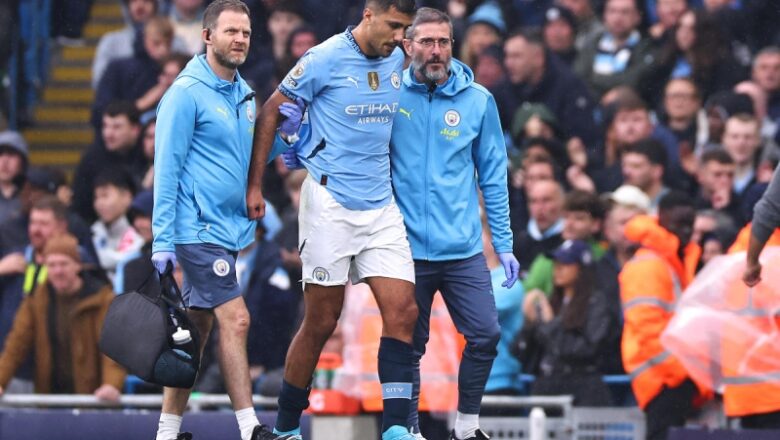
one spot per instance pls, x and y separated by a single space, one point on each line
138 333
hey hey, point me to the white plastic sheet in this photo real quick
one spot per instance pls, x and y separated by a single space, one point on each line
723 331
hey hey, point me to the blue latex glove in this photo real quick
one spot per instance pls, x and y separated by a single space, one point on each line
293 114
161 259
511 268
290 159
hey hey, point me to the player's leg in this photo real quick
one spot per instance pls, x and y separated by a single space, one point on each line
322 308
398 308
385 263
427 279
175 399
326 234
468 294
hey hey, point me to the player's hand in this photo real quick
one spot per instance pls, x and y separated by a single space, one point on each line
752 274
107 392
511 268
161 259
2 391
255 203
290 159
293 112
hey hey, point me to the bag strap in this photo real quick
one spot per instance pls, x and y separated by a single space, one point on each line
170 292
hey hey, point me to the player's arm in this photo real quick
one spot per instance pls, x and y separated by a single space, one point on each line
489 154
175 128
766 218
303 82
265 134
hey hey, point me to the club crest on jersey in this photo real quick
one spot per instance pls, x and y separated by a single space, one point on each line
221 267
452 118
297 71
250 114
373 80
395 80
320 274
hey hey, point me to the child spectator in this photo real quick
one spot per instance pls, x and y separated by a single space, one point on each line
135 271
112 234
583 215
136 77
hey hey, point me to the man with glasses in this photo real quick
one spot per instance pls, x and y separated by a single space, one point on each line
446 142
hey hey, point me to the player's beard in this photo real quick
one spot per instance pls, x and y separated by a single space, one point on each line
422 66
226 60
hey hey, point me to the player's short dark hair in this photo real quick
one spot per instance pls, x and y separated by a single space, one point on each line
652 149
126 108
584 201
115 177
674 199
53 204
213 10
719 155
428 15
403 6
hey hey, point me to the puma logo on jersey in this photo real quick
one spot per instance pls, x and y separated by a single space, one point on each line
353 81
406 113
223 111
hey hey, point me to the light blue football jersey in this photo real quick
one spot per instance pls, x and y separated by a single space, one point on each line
351 102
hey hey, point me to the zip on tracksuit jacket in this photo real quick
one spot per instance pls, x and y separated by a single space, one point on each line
203 148
445 143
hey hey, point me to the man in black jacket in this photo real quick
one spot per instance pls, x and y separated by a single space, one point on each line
536 75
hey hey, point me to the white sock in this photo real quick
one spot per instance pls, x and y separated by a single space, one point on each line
168 427
466 425
247 420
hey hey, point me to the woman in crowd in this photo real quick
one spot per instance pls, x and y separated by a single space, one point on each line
698 51
562 337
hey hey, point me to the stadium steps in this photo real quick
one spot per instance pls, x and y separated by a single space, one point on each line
61 131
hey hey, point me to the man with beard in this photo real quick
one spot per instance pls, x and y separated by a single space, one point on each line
446 142
204 131
350 225
438 162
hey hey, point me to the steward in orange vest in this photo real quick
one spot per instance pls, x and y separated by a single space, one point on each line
650 285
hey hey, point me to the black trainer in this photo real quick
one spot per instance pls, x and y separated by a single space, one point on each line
263 432
479 435
184 436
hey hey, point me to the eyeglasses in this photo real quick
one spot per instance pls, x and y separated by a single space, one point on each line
444 43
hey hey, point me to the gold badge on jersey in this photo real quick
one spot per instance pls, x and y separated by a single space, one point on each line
373 80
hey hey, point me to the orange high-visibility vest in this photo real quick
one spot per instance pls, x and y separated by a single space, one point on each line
438 368
650 285
743 240
751 378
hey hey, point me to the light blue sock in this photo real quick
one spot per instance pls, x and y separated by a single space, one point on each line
296 431
397 432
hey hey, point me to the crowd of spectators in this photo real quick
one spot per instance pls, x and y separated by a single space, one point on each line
607 106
